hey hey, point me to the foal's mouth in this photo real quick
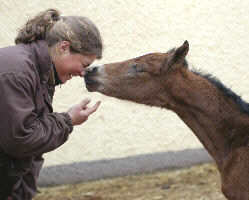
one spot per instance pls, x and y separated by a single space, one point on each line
91 84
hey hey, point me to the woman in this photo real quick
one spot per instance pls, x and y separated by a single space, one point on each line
49 51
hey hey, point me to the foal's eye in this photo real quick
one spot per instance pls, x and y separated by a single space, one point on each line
137 68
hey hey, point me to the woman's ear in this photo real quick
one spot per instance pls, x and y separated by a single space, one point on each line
64 47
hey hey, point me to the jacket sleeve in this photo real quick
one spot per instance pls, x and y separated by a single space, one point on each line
22 132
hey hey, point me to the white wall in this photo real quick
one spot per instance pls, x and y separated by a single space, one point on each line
218 35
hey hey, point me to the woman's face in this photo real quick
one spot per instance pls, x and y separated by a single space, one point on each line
69 64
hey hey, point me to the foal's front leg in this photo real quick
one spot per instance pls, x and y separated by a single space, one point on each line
235 175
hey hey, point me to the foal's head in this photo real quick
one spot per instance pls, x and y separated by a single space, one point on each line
142 79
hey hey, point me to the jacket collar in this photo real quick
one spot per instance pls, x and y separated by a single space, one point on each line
42 58
53 77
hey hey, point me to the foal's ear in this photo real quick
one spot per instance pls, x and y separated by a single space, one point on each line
178 55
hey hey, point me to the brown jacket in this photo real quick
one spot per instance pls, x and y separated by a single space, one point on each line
28 125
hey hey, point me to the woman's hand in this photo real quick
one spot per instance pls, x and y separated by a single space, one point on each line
79 113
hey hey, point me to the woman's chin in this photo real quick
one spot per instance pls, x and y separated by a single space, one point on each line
65 79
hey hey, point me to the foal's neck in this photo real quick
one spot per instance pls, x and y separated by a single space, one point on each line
206 110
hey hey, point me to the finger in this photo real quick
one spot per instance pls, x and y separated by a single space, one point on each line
84 102
92 109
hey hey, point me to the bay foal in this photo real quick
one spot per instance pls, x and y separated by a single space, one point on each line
215 114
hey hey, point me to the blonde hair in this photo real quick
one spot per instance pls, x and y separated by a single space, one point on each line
49 25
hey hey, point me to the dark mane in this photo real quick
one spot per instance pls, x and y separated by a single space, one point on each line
244 106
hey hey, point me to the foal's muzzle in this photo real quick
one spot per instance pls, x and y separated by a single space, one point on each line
90 81
92 70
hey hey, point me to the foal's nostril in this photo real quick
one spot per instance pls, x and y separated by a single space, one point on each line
92 70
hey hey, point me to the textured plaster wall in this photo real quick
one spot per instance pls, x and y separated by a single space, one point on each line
218 35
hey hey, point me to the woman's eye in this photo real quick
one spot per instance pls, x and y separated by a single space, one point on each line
84 66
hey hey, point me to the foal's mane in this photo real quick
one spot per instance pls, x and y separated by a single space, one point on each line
244 106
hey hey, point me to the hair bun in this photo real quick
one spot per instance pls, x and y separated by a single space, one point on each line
37 27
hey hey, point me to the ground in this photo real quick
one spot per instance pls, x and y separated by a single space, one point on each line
199 182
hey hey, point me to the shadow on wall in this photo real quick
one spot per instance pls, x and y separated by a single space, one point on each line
85 171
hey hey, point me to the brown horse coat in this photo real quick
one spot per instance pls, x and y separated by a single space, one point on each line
216 115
